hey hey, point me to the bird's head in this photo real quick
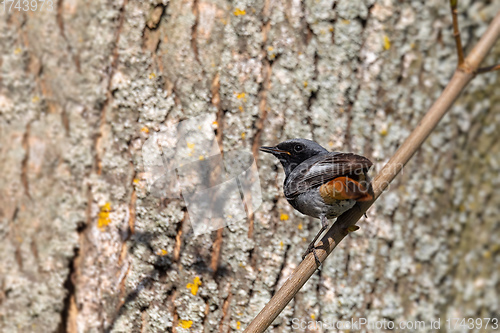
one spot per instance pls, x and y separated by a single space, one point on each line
294 151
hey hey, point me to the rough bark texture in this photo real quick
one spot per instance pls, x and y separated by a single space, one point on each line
82 87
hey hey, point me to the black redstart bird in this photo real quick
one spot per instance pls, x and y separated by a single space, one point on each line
320 183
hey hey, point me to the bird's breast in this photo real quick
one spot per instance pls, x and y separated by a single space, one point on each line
312 204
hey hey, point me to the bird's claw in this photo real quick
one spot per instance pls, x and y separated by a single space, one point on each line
312 249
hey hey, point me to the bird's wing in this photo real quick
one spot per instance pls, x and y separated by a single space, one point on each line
321 169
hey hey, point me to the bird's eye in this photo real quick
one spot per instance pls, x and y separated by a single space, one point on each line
298 148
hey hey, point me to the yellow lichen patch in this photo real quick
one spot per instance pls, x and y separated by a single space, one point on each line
284 217
282 245
241 264
304 239
346 21
270 48
152 76
35 99
330 143
384 132
215 123
240 108
313 316
17 50
240 95
191 148
352 228
103 218
145 130
243 135
136 181
331 29
300 226
161 252
185 323
238 325
194 286
387 43
482 15
495 248
201 158
305 84
238 12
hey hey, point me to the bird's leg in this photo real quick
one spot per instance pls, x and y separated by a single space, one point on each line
364 214
310 248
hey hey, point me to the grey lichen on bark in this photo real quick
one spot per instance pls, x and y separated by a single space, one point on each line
85 247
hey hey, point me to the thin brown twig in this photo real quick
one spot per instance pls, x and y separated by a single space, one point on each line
340 228
488 69
456 33
458 41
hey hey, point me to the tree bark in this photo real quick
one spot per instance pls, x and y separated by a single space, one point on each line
84 247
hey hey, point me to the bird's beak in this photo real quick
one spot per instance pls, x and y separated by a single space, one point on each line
273 150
